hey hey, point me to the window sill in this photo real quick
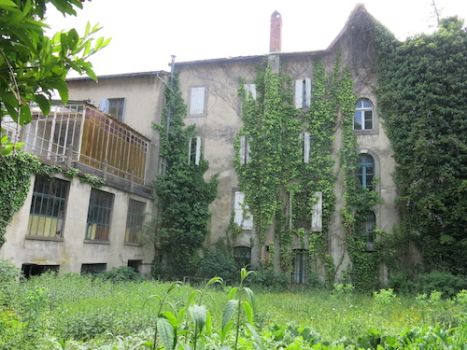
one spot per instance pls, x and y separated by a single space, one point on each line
96 242
365 132
44 238
197 115
139 245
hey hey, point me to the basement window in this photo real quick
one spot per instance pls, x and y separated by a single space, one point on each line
48 205
93 269
29 270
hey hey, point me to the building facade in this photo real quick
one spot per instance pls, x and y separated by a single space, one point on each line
210 90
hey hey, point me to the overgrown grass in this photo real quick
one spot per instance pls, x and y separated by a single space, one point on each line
82 308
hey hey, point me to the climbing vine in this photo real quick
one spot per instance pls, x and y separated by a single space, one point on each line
15 180
279 186
183 194
422 98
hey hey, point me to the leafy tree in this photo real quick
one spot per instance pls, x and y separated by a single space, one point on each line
183 194
423 100
33 65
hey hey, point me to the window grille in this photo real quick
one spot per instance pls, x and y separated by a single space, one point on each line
134 221
48 207
99 215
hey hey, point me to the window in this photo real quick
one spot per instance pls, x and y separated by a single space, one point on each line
135 265
197 100
250 90
28 270
242 217
306 150
302 93
366 171
115 107
242 256
244 150
93 269
194 150
300 266
363 119
316 216
99 215
48 207
366 228
134 221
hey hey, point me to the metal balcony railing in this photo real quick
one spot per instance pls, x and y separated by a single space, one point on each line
80 135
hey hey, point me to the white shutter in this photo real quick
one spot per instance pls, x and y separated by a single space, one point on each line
198 150
298 93
308 92
104 105
197 96
242 216
250 90
242 150
306 147
316 216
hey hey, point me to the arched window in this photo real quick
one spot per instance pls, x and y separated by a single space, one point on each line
363 119
366 228
366 170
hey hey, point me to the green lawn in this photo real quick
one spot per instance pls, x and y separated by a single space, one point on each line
95 311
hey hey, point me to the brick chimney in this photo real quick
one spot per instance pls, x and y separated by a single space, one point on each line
276 32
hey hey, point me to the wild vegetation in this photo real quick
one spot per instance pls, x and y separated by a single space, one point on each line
79 312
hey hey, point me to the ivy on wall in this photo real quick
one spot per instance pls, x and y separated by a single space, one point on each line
422 98
279 186
15 180
183 194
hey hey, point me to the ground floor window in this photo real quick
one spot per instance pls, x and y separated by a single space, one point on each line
300 266
93 269
29 270
242 256
134 221
135 265
99 215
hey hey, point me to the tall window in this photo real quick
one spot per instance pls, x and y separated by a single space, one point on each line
363 119
116 107
48 207
244 151
242 216
250 90
194 150
366 170
306 149
197 100
242 256
366 228
99 215
300 267
134 221
302 93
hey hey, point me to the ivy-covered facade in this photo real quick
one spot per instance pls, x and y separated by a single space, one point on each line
303 161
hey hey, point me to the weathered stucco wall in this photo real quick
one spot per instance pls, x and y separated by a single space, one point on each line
72 250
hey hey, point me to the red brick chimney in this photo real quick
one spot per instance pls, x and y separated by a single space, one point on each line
276 32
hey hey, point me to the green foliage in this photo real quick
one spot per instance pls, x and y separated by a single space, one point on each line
33 65
218 261
423 99
15 179
8 272
267 277
120 274
183 194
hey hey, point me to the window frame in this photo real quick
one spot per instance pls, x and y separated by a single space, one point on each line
302 93
195 153
99 225
135 222
244 149
366 228
361 112
300 270
121 109
50 184
242 214
203 113
362 172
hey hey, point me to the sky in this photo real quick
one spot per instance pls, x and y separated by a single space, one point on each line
145 33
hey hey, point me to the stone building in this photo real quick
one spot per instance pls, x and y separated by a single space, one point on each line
210 90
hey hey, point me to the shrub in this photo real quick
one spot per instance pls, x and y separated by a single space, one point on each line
444 282
121 274
267 277
218 262
8 271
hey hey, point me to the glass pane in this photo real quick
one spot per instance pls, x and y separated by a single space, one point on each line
357 123
368 120
197 100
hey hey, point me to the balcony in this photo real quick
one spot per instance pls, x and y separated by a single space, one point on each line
79 135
